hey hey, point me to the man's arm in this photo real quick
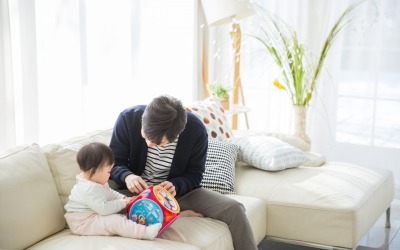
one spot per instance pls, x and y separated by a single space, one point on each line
189 167
130 150
120 146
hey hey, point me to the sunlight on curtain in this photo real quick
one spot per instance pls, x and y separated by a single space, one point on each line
97 57
7 118
271 109
59 65
70 66
18 79
358 96
355 113
369 88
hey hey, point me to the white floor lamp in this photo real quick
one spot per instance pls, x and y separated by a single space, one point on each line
219 12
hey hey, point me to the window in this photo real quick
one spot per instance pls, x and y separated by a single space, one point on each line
92 59
369 88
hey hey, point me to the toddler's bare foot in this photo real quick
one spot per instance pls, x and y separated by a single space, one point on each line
190 213
152 231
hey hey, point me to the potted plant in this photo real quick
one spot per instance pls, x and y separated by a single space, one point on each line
299 68
221 92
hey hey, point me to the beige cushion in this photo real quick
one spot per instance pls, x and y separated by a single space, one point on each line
67 241
62 160
335 204
211 234
29 209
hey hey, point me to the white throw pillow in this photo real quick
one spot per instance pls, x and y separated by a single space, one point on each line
293 140
268 153
220 167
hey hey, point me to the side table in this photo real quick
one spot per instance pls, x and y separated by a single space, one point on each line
234 110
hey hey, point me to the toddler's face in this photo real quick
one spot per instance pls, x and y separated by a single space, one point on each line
102 174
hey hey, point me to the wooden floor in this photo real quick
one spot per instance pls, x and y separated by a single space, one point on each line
378 236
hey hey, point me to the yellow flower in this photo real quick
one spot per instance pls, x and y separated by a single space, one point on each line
278 84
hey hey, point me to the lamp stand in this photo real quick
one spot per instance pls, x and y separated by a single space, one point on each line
237 82
205 69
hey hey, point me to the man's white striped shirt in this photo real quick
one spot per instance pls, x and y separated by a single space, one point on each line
158 163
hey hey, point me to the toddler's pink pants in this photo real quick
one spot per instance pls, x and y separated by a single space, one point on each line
95 224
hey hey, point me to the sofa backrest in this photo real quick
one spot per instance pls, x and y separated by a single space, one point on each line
29 208
61 158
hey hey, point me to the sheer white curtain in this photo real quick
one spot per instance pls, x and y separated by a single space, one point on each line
354 114
271 109
367 124
7 131
70 66
18 74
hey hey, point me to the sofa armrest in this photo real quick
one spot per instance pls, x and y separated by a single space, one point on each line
316 160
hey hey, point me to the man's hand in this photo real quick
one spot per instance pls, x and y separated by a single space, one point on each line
169 187
135 183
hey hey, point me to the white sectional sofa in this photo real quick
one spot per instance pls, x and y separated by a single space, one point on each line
331 205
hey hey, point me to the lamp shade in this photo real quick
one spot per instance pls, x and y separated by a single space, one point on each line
223 11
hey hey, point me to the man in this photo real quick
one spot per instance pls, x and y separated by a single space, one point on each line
163 144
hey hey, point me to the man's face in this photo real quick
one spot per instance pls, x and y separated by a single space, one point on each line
151 144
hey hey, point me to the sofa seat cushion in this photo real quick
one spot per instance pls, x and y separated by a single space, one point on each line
206 233
29 209
334 205
210 234
64 240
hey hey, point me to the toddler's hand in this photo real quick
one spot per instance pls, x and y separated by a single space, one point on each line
127 200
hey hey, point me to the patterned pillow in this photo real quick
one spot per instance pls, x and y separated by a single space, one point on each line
212 114
268 153
220 167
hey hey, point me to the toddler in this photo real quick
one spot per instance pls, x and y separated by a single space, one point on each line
93 206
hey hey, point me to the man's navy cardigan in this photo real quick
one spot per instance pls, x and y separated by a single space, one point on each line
130 151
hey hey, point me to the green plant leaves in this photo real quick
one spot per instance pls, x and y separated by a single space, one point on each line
300 70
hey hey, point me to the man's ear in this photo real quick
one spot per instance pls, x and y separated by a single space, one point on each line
142 132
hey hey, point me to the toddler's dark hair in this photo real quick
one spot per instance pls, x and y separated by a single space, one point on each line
93 156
